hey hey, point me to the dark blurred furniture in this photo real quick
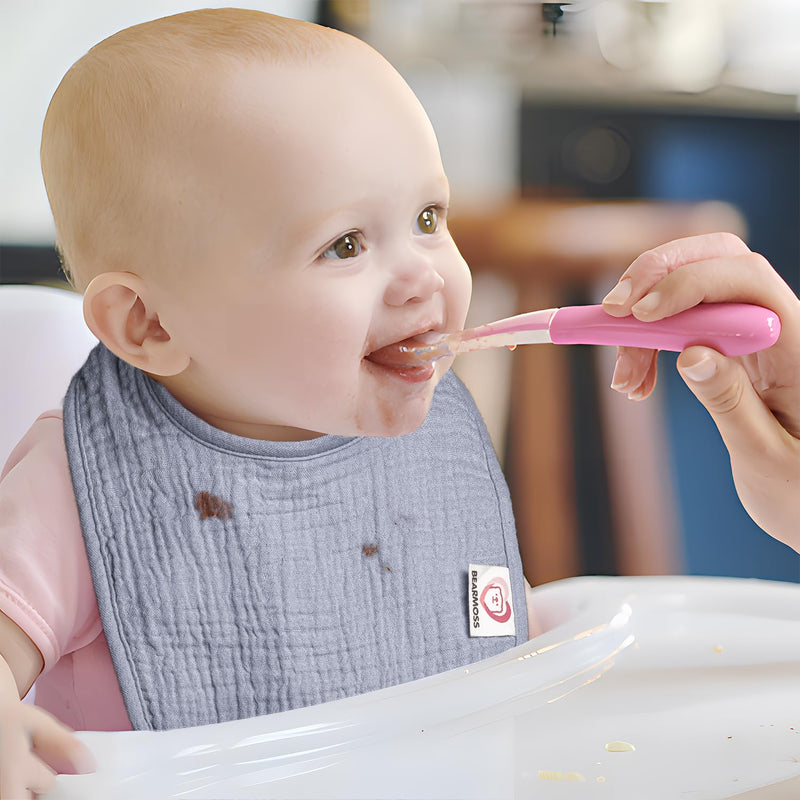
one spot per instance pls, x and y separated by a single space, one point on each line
29 264
688 149
552 251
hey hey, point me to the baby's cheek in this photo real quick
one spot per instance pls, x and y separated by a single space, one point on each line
458 287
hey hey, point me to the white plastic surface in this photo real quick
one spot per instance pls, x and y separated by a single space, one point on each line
700 675
43 342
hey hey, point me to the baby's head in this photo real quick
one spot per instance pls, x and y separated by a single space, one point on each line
251 205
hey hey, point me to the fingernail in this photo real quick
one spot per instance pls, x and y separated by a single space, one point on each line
620 293
622 374
647 304
701 371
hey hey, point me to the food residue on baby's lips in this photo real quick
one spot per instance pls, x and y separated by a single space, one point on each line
407 373
400 359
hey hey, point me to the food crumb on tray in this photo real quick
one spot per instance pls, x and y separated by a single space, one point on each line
620 747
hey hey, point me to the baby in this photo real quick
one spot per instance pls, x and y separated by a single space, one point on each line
239 510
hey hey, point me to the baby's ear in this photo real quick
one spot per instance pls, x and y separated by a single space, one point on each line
120 311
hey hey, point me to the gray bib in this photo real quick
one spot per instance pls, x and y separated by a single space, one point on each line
238 577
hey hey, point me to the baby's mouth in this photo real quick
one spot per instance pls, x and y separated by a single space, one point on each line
416 351
400 358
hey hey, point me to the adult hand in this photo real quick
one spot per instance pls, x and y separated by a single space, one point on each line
755 399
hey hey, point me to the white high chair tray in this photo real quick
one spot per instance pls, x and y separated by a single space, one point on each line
640 689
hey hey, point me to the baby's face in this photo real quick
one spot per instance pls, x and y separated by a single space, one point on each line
321 236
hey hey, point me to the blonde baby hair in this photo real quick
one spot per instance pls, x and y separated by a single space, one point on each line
106 129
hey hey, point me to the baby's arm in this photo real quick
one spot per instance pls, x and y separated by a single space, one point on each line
754 400
33 744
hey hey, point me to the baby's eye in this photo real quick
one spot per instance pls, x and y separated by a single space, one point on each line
347 246
428 220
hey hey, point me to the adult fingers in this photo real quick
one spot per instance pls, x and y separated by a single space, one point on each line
746 278
652 266
751 433
635 372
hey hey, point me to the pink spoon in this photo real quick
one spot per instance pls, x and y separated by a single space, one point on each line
734 329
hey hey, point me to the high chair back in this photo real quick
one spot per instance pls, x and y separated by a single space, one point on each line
43 342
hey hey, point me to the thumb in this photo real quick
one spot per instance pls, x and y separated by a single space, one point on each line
747 426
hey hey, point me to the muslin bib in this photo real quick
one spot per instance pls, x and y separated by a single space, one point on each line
238 577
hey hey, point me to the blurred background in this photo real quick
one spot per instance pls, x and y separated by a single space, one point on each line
575 135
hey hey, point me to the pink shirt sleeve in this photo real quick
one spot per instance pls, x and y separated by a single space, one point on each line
45 581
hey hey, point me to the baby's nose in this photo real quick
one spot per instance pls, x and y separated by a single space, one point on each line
413 282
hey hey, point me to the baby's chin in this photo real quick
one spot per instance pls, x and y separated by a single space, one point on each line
400 428
394 418
383 404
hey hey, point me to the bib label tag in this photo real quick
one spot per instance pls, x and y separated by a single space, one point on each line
491 612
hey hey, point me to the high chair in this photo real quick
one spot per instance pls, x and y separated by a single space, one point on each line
537 716
43 342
